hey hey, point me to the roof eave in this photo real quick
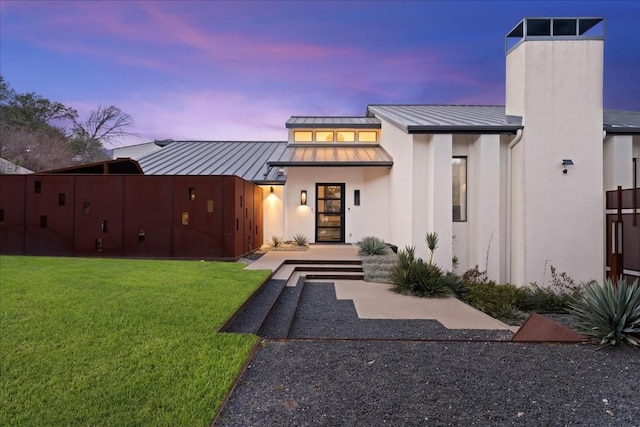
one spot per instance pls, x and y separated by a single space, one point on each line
326 164
463 129
619 130
333 126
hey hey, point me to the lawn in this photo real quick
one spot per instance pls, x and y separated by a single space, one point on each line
118 342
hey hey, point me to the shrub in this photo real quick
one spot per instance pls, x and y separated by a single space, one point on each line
372 246
300 239
415 277
535 298
609 313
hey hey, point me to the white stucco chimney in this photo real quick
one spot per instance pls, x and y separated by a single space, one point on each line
554 81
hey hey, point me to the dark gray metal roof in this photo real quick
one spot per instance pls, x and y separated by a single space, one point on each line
332 155
300 122
246 159
447 118
619 121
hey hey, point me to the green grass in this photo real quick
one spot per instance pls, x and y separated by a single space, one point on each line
105 342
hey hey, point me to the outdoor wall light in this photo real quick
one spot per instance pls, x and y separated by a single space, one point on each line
303 197
565 163
271 189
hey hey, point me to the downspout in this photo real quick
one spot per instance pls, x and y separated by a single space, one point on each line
516 139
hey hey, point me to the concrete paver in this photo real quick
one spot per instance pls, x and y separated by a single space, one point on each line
376 300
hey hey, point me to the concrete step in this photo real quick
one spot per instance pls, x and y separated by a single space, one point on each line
251 316
278 322
334 276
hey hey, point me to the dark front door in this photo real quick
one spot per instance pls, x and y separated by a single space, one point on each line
330 213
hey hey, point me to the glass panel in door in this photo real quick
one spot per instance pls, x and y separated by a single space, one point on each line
330 213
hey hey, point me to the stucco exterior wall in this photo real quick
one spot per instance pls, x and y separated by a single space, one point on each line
272 208
618 161
399 145
367 219
562 214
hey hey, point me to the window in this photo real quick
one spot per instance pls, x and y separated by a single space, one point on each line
346 136
459 189
1 215
368 136
185 218
43 221
103 226
192 193
324 136
62 199
635 172
86 208
37 187
302 136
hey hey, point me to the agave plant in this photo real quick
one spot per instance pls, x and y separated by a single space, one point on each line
372 246
301 239
413 276
609 313
276 241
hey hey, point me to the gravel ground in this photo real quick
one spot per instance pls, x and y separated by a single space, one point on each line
372 383
321 315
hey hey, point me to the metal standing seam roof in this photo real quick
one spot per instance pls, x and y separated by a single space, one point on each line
620 121
480 118
332 155
447 118
335 122
246 159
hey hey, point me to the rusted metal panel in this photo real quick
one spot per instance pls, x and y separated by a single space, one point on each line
240 204
49 215
258 215
148 216
98 215
139 216
230 220
194 232
249 220
12 214
630 198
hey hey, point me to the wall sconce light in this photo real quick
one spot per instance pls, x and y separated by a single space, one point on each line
303 197
565 163
271 189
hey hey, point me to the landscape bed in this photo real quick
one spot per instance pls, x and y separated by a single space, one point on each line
112 341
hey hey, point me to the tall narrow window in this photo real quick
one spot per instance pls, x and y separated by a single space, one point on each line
37 187
459 189
185 218
62 199
192 193
1 215
43 221
103 226
86 208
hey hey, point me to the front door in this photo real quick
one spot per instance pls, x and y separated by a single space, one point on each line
330 213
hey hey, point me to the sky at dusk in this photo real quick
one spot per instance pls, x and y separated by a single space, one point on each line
238 70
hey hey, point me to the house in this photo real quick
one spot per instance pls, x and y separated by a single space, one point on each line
10 168
514 189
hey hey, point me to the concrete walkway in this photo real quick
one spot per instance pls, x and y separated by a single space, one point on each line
376 300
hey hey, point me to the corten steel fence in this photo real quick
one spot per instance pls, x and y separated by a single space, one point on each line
209 217
623 232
